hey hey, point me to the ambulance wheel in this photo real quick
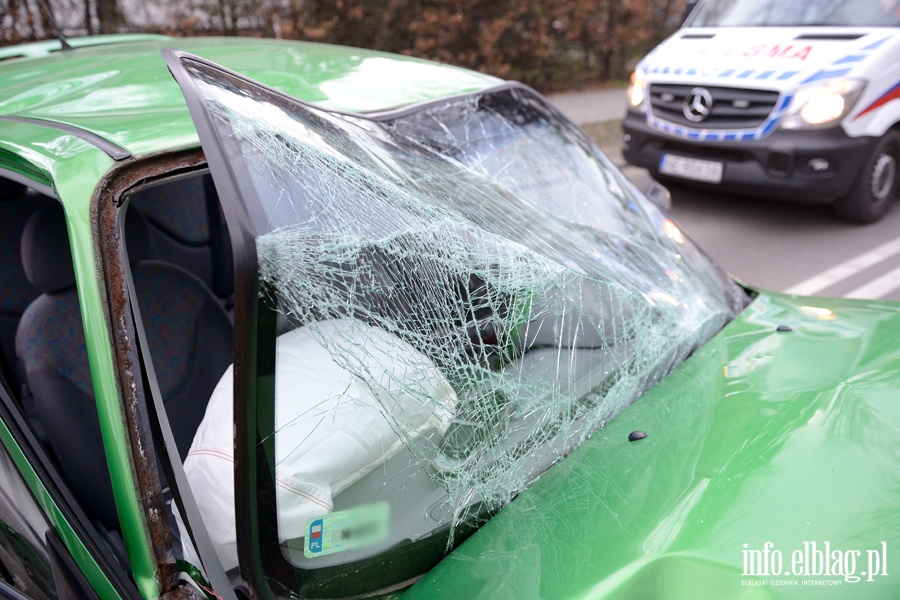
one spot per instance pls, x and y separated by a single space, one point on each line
876 188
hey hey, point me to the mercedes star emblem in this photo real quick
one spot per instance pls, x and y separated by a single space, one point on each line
697 105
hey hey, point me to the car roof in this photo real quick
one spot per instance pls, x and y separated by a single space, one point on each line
35 49
116 94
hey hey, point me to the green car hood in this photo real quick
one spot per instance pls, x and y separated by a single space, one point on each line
789 437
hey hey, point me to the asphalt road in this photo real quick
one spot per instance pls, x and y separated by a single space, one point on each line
775 245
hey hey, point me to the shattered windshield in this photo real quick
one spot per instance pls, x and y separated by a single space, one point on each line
450 299
795 13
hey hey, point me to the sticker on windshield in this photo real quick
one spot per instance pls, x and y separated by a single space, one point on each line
346 530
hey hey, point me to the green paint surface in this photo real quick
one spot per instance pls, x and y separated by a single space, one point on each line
788 438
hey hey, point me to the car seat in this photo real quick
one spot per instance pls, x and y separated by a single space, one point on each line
187 229
188 331
16 206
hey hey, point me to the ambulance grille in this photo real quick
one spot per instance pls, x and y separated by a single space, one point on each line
732 108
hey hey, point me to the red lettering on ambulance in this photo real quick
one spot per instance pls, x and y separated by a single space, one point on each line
802 53
788 52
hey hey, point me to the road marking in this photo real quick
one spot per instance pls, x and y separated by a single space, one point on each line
877 288
846 269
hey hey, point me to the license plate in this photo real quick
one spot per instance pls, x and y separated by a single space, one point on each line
709 171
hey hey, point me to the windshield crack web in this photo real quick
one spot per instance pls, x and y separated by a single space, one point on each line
494 289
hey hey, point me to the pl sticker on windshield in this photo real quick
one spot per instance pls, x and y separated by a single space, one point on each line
348 529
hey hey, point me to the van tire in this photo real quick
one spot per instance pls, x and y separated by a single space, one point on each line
876 187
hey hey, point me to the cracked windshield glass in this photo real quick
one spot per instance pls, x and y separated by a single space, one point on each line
459 294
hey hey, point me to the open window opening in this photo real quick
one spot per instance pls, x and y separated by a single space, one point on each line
181 271
48 398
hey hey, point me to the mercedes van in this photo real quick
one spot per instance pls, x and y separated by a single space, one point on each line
790 99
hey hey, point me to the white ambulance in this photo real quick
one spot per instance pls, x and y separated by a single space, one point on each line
790 99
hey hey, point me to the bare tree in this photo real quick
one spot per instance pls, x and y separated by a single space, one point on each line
109 17
22 20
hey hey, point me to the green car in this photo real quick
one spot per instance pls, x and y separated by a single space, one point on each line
292 320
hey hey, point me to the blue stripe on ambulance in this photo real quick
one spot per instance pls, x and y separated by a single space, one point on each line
769 128
853 58
700 135
785 102
876 45
845 60
826 74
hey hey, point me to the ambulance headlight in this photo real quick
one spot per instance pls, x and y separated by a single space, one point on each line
635 92
822 105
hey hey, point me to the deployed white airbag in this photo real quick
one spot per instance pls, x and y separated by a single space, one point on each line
347 397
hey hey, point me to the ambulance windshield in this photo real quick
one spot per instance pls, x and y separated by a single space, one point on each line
789 13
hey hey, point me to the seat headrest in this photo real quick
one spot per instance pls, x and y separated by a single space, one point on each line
45 240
